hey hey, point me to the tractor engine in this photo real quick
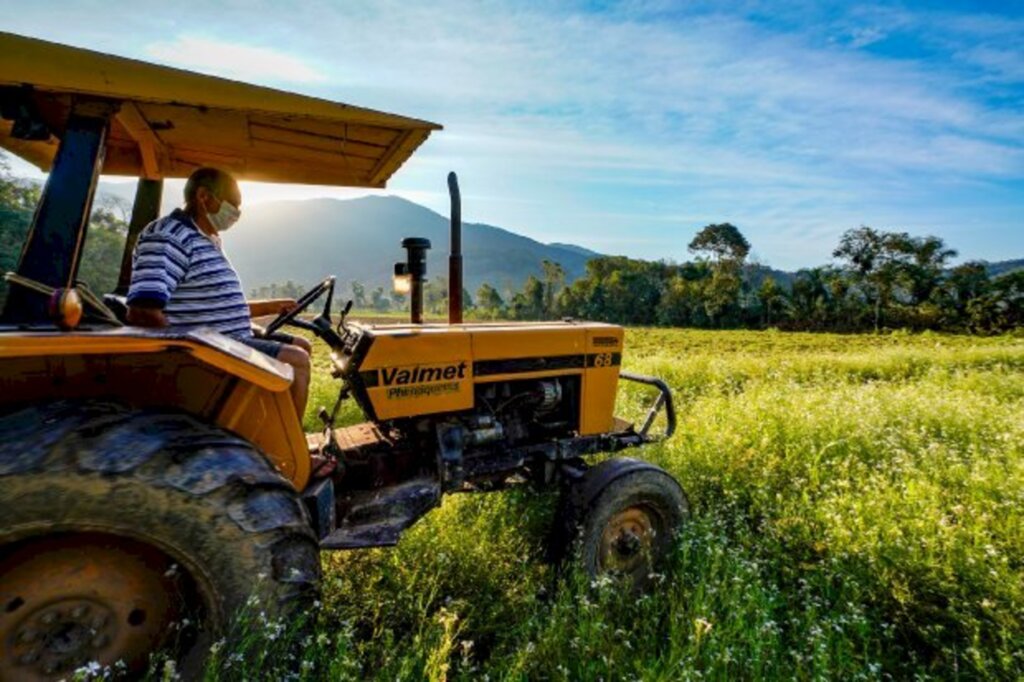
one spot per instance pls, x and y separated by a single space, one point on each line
478 402
485 445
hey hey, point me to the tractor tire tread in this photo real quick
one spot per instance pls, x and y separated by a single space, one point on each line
173 454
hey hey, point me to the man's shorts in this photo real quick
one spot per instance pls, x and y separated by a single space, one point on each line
268 346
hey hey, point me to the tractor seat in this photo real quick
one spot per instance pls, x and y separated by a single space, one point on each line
118 305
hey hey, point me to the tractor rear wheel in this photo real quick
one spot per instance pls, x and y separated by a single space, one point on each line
621 519
124 533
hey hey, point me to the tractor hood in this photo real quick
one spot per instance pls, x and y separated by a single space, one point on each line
168 122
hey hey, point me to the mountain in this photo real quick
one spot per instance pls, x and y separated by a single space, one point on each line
756 273
1004 267
576 249
360 239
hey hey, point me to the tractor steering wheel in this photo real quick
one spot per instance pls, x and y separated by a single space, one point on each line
304 302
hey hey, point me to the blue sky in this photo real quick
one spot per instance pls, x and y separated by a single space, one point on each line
625 127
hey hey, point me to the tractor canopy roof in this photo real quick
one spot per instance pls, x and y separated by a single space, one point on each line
168 122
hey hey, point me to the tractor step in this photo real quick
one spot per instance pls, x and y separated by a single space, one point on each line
376 518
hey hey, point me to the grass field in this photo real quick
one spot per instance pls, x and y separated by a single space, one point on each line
858 514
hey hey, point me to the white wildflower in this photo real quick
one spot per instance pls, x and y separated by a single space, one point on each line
89 670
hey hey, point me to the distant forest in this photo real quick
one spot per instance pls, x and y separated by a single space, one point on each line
884 280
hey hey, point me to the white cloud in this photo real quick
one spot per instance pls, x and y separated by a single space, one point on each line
234 60
866 36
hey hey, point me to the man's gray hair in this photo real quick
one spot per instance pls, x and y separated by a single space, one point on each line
213 179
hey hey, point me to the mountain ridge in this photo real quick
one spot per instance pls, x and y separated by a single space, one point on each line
335 240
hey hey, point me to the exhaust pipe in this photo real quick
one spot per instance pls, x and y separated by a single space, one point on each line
455 259
414 271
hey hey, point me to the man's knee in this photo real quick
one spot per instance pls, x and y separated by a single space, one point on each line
302 343
295 356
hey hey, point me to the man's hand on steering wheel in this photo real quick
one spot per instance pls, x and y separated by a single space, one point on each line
290 316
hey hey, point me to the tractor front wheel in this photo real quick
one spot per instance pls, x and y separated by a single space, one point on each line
621 519
127 533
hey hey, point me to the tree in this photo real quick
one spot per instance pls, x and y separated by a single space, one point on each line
723 241
533 290
379 300
682 303
398 300
770 294
554 280
529 303
1002 307
929 256
435 295
117 206
878 261
809 298
488 301
17 194
721 292
358 294
727 248
845 303
17 202
965 283
101 256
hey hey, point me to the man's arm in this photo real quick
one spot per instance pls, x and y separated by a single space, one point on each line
270 306
142 316
159 264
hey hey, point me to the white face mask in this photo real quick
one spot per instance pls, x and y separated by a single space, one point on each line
225 217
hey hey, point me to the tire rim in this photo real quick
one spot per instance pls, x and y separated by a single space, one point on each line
73 599
628 542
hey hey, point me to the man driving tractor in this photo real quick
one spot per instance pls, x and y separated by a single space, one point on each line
181 277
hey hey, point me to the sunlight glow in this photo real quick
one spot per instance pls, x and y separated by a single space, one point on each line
234 60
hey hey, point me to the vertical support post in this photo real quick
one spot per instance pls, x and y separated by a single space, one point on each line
54 244
455 259
146 209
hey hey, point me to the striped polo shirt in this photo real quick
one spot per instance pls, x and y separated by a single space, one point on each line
177 268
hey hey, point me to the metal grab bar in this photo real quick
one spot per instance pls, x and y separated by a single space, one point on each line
664 400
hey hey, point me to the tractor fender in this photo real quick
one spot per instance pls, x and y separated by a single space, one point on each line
598 477
200 372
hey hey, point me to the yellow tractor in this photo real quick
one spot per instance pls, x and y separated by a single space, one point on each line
152 481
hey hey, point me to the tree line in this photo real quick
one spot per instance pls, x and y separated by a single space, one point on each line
882 280
363 298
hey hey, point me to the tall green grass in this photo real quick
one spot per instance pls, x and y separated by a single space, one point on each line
858 514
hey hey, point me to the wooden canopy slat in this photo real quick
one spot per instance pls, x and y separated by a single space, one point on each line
380 137
304 140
